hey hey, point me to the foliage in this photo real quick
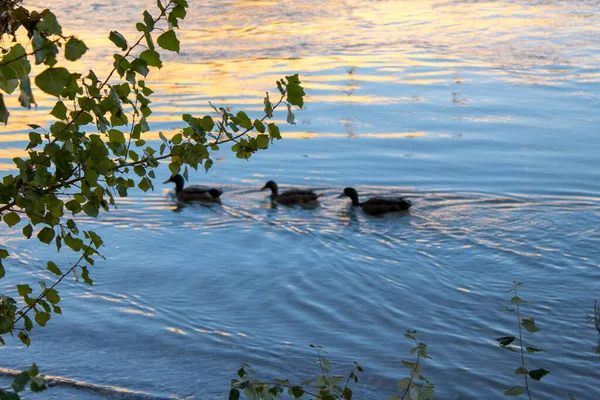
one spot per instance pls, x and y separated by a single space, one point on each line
95 151
506 341
325 386
416 386
20 382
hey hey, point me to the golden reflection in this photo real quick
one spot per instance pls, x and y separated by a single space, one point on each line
175 330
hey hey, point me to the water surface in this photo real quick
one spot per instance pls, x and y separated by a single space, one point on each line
483 113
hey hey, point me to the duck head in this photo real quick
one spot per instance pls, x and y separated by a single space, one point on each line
178 180
352 193
271 185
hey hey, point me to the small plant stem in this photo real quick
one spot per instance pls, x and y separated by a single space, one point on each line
521 343
411 376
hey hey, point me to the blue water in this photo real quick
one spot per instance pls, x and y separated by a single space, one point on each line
485 114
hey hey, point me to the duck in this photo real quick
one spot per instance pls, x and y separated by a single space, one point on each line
377 205
193 192
290 196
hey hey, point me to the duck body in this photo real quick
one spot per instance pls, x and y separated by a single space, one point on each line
194 192
291 196
377 205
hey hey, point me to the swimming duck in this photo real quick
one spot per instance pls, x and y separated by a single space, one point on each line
377 205
290 196
194 192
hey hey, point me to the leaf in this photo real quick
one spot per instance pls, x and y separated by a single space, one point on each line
59 110
531 349
118 39
3 110
41 318
403 384
140 66
11 219
514 391
74 49
24 290
52 296
234 394
46 235
26 97
168 41
268 107
274 131
148 20
295 92
53 80
52 267
521 371
20 381
262 141
37 385
505 340
49 24
529 325
538 374
116 136
243 120
290 115
27 231
152 58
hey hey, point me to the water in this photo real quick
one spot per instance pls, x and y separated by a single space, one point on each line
484 113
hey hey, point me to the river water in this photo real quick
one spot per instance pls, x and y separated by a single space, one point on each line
484 113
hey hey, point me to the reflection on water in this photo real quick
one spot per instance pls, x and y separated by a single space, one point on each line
483 113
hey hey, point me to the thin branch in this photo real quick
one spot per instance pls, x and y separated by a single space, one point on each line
23 311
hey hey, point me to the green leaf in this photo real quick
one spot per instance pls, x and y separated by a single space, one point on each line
41 318
46 235
531 349
52 296
27 231
26 97
24 290
118 39
74 49
85 275
295 92
37 385
505 340
538 374
140 66
521 371
11 219
148 20
59 110
243 120
52 267
168 41
14 64
20 381
262 141
90 209
514 391
268 107
53 80
529 325
96 240
260 127
4 114
116 136
234 394
25 339
274 131
145 184
49 25
152 58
